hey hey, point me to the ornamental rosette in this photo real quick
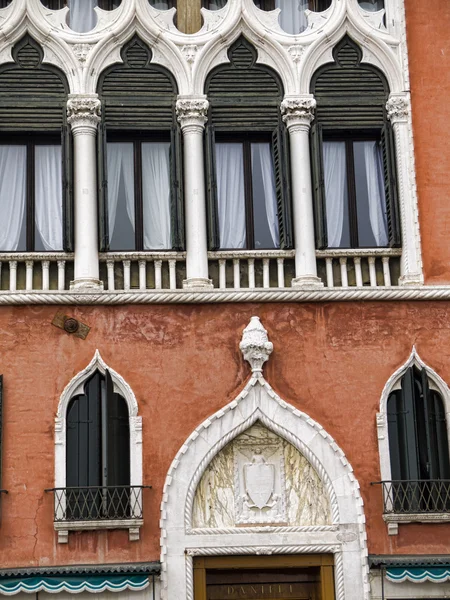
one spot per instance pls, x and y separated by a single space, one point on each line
397 108
255 345
192 110
84 110
293 109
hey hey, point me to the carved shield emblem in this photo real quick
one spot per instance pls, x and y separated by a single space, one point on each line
259 482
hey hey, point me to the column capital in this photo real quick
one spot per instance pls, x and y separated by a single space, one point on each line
84 110
298 110
398 108
192 111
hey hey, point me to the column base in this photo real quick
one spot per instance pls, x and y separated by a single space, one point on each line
413 279
86 285
195 283
307 281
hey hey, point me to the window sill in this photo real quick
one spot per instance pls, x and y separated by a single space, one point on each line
394 520
63 527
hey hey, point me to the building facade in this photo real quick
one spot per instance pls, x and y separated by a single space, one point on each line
224 299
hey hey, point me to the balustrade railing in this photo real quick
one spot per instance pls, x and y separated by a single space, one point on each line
379 267
247 269
415 496
98 503
31 272
142 270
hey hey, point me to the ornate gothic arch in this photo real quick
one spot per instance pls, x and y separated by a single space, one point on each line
345 537
74 387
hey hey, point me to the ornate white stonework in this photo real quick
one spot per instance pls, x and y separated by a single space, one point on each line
192 111
298 109
255 345
398 108
260 479
82 51
83 110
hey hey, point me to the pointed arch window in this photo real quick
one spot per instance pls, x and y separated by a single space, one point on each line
139 171
248 180
82 16
418 446
35 154
353 156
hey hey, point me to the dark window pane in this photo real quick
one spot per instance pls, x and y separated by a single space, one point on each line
121 219
371 5
370 194
161 4
215 4
265 220
13 178
336 194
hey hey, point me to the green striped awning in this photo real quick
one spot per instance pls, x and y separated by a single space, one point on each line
418 574
74 584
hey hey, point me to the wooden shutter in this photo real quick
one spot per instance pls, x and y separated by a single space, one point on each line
118 438
67 187
102 188
280 151
317 172
211 188
440 441
397 446
390 185
410 439
176 189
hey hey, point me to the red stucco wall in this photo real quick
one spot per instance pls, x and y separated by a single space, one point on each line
428 27
184 363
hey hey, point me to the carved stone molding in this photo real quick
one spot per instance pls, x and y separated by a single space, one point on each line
255 345
83 110
192 111
298 110
81 51
189 52
398 108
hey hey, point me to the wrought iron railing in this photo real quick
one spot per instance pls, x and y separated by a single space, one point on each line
416 496
92 503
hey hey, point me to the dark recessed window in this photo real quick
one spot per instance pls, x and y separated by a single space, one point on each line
4 3
354 193
292 17
246 196
214 4
163 4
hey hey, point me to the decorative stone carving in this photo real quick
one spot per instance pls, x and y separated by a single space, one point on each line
298 109
259 480
397 108
255 345
296 52
192 111
189 52
81 51
83 110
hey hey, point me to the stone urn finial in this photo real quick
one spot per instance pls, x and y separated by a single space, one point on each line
255 345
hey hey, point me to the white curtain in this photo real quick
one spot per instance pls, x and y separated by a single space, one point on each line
375 192
13 161
82 17
48 200
231 195
156 195
262 152
334 165
120 165
292 17
216 4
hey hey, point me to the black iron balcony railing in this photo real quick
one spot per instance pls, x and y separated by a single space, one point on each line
419 496
92 503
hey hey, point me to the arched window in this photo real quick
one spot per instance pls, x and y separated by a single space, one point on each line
98 453
353 157
246 155
293 12
35 154
81 17
418 445
140 161
371 5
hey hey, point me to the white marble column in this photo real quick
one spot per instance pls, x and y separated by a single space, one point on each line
83 115
192 115
298 113
398 112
